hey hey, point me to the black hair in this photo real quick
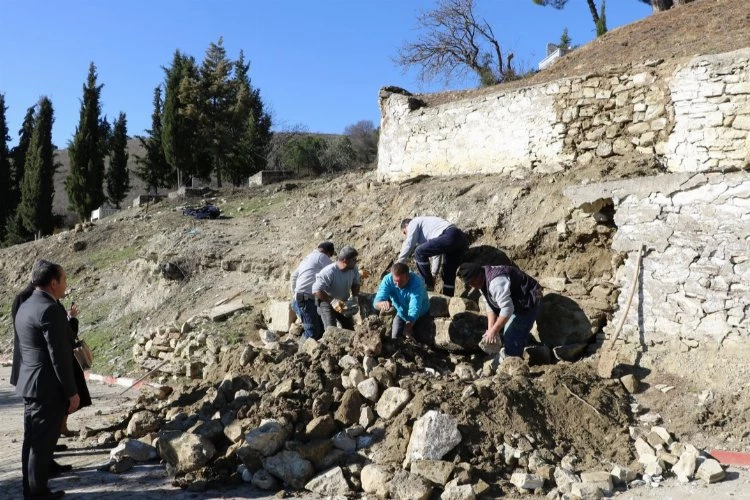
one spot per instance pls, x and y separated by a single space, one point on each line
399 269
405 223
468 271
326 247
44 272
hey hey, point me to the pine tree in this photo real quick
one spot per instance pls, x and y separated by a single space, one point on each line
18 154
37 187
118 177
6 187
601 23
250 127
87 150
564 40
153 168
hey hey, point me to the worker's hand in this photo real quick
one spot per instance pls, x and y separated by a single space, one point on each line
491 337
383 306
73 311
337 305
74 403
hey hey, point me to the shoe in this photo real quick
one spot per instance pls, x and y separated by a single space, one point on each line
55 469
50 495
61 447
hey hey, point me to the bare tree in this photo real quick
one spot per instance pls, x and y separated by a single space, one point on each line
455 41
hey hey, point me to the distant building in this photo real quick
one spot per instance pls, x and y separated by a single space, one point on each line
553 53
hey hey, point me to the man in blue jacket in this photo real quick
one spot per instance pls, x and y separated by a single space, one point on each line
406 292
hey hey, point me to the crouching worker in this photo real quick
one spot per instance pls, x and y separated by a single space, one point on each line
514 299
406 292
303 278
331 290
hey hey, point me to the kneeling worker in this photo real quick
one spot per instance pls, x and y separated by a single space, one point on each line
331 289
514 299
406 292
429 237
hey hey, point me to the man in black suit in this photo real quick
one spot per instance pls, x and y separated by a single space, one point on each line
45 376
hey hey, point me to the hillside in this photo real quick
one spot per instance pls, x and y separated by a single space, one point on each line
60 202
672 37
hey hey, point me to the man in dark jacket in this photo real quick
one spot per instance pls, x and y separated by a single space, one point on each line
45 376
514 299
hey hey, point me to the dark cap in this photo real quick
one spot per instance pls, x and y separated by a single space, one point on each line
326 247
468 271
347 253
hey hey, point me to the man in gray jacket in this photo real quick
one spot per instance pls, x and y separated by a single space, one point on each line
303 301
45 376
332 286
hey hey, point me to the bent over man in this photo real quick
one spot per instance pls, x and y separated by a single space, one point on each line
45 376
514 299
332 286
303 278
405 291
429 237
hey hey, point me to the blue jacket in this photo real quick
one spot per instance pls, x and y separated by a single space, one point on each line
411 303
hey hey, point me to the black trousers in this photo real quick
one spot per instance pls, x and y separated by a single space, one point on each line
41 429
452 244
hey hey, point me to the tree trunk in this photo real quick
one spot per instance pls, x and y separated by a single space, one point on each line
594 12
660 5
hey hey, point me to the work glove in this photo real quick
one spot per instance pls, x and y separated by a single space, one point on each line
338 305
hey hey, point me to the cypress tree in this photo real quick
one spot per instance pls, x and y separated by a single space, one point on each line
153 168
215 98
37 187
118 177
180 138
87 150
6 187
250 131
18 154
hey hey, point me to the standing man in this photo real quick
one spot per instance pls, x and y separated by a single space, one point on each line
403 290
303 278
514 299
45 376
332 286
429 237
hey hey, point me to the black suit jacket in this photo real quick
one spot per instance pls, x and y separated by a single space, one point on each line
46 367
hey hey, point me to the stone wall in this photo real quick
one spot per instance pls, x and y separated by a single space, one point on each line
695 277
696 119
711 101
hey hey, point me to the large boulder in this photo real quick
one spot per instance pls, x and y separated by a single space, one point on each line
375 479
407 486
438 305
268 438
461 333
141 423
290 467
392 401
331 483
279 316
434 434
137 450
561 322
348 411
186 452
458 305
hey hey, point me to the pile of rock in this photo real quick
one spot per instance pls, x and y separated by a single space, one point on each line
356 412
187 352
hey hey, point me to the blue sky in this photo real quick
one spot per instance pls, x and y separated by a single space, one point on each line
318 63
